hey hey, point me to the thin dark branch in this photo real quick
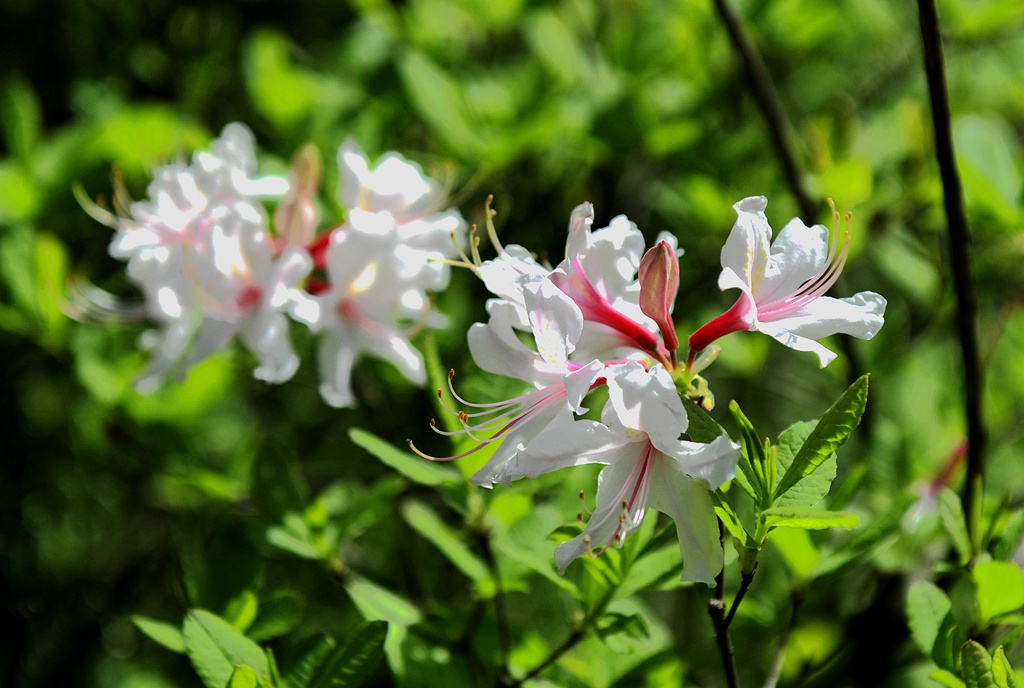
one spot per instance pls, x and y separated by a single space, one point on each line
770 105
960 257
745 582
569 643
716 610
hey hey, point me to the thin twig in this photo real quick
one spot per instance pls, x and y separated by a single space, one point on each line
745 582
960 258
716 610
581 631
569 643
771 108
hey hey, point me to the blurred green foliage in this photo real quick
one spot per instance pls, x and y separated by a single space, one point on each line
267 508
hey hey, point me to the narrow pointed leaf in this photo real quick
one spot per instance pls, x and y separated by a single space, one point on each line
161 632
747 476
951 514
351 664
427 523
1002 672
307 656
416 469
809 519
828 435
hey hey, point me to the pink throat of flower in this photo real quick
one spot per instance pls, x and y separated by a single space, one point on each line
248 296
738 318
629 503
770 307
596 308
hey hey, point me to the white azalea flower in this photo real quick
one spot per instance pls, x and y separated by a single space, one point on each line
599 273
200 250
647 466
380 265
544 414
783 285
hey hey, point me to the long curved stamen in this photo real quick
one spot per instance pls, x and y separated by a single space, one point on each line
816 286
499 418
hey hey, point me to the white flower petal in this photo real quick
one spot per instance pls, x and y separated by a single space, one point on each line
688 502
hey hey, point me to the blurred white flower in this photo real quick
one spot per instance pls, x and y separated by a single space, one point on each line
199 248
379 265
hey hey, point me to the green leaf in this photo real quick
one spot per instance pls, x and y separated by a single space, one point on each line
946 678
951 514
811 489
417 469
976 666
376 603
808 519
752 449
927 608
351 664
243 677
241 611
797 549
1002 672
310 654
828 435
556 46
1000 588
161 632
279 613
623 633
701 427
1009 537
20 117
216 648
427 523
440 101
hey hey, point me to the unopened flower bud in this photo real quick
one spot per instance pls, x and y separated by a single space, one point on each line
659 282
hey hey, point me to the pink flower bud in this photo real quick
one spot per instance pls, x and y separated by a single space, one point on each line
659 282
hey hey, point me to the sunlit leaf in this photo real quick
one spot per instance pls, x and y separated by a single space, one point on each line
427 523
827 436
166 634
1000 588
216 648
415 468
810 519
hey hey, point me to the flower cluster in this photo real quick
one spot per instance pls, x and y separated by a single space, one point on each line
213 268
603 318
